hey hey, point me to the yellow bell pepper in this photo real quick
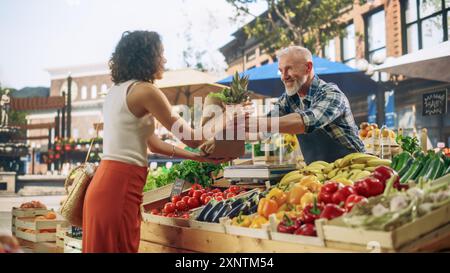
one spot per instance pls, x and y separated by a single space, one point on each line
278 195
296 193
258 221
266 207
241 221
311 182
307 198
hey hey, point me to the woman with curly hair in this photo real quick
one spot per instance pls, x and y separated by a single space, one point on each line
111 213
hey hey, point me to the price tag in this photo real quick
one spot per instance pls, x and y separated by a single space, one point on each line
177 187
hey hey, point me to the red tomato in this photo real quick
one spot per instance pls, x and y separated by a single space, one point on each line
196 186
226 191
217 194
169 207
176 198
155 211
234 189
185 199
181 206
202 198
219 198
210 193
207 199
203 191
193 203
230 194
197 194
171 215
185 216
216 190
191 192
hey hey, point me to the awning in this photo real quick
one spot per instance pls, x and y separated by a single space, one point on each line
266 79
31 104
430 63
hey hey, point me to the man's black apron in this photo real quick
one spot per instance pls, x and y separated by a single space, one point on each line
318 145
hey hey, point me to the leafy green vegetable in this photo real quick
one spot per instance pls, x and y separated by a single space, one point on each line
409 144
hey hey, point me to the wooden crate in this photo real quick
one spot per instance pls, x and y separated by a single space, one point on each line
61 232
19 212
72 245
36 226
214 227
336 231
259 233
292 238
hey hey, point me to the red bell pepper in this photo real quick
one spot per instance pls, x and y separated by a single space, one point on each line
331 211
341 195
352 200
307 230
312 212
327 191
288 225
369 186
383 173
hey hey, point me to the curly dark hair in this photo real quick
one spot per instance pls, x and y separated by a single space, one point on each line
137 56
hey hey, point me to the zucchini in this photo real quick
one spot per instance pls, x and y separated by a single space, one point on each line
425 167
402 159
437 170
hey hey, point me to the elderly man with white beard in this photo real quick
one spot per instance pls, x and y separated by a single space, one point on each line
317 112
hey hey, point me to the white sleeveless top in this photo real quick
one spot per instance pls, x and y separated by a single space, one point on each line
124 135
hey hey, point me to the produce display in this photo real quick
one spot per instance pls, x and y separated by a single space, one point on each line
394 209
189 170
368 130
345 170
181 205
33 205
231 207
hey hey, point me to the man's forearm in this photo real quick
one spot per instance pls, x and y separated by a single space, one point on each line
288 124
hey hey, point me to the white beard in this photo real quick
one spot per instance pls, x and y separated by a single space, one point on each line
297 86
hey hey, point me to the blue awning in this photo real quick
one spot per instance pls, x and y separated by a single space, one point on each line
266 80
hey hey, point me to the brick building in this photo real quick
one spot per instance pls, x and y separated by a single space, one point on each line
375 31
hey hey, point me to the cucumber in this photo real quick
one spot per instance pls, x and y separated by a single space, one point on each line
425 167
448 170
405 167
402 159
394 162
433 167
436 171
415 167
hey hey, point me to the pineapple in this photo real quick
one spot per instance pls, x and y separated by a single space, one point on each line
237 93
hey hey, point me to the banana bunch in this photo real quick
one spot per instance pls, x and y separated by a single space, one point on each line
345 170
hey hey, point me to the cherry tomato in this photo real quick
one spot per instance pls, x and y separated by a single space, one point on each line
181 206
169 207
193 203
175 199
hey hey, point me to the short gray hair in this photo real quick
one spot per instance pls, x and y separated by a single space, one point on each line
302 52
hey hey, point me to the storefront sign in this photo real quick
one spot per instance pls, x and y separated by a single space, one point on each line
177 187
435 103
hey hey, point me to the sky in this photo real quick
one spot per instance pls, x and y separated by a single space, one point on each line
40 34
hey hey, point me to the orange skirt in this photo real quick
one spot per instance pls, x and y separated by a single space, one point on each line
111 212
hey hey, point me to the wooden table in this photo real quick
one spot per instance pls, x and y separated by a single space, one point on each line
162 238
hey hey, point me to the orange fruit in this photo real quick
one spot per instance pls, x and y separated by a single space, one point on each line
50 216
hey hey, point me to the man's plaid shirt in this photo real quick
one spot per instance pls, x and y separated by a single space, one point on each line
325 106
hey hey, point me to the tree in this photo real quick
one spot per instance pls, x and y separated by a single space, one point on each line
308 23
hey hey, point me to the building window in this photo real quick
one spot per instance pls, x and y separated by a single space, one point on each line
83 92
329 51
376 37
104 89
426 23
250 55
94 92
349 46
